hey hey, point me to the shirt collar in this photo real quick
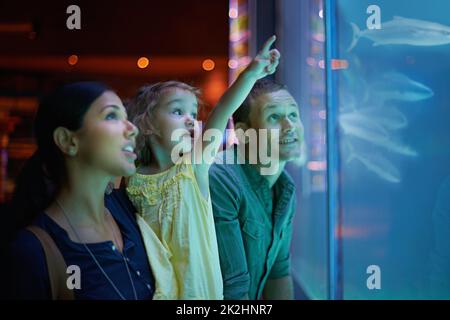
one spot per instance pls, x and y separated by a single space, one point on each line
284 186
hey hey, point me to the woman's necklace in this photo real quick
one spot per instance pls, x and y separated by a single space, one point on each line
95 259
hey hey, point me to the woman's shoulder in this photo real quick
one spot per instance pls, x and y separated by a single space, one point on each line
29 267
25 242
27 246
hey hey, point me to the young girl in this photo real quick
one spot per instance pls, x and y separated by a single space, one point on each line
84 140
172 195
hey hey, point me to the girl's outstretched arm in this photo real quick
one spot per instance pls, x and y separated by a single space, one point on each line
264 64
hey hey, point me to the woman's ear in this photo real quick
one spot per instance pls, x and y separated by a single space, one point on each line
66 141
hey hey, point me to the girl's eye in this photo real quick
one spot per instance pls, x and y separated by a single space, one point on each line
178 112
111 116
194 115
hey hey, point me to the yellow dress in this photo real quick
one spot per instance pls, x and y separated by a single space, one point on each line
177 226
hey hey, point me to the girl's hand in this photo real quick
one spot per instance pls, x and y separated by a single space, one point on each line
265 62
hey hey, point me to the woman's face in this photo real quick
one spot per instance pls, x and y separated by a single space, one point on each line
107 139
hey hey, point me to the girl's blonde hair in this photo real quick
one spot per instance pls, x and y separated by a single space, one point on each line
140 110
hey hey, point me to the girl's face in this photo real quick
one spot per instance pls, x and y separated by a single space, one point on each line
177 109
107 139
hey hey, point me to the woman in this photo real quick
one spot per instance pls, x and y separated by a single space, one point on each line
84 140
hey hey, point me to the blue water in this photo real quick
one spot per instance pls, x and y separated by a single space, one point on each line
388 197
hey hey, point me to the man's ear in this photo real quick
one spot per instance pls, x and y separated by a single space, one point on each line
66 141
241 125
240 129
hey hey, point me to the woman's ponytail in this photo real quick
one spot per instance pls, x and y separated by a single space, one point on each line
33 193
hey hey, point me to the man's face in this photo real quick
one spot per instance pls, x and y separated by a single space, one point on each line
279 111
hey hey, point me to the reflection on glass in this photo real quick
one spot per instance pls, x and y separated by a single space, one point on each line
394 144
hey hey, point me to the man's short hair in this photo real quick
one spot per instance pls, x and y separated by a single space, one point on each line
261 87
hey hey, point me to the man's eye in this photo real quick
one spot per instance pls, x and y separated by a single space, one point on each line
111 116
273 117
293 115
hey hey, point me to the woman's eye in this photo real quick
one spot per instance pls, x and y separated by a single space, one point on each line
111 116
178 112
194 115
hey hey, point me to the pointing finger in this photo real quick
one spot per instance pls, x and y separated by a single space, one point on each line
268 44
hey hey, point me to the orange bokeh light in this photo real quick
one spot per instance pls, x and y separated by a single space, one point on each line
337 64
208 65
142 62
72 60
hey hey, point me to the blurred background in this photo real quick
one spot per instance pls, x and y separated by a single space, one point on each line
374 193
124 44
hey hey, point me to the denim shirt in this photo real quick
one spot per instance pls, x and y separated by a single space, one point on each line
253 227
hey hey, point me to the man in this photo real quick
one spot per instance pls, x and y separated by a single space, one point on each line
253 212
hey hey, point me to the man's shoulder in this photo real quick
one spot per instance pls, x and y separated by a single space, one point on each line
226 176
288 178
287 185
224 163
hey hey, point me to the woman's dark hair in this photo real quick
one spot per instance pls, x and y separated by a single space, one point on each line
43 173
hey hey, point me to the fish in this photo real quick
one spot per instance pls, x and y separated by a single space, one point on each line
358 126
389 118
377 164
398 148
397 86
404 31
383 142
371 126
